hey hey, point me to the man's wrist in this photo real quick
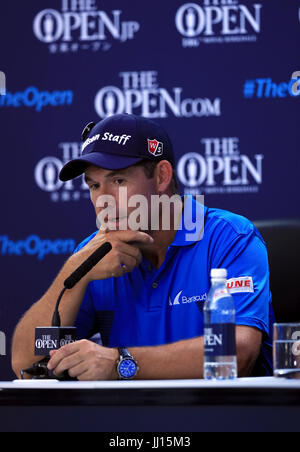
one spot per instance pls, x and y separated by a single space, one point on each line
115 375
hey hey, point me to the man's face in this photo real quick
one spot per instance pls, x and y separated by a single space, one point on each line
113 194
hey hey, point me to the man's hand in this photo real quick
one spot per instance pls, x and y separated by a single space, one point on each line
123 258
85 361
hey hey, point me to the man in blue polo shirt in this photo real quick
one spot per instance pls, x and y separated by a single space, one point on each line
139 312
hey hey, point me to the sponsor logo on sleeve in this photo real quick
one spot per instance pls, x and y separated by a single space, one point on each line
243 284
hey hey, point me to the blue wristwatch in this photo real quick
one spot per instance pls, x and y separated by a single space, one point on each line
127 367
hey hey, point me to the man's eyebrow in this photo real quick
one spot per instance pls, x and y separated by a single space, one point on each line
107 176
117 172
89 179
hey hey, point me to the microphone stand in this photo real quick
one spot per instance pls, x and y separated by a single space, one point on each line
39 370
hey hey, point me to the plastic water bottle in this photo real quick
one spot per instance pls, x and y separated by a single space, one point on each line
220 361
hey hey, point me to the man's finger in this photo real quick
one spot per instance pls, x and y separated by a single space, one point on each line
62 353
129 236
79 369
68 363
131 251
128 264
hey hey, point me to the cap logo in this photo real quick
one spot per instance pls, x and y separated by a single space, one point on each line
155 148
89 141
107 136
120 139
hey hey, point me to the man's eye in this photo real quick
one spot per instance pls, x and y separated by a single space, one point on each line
94 187
119 181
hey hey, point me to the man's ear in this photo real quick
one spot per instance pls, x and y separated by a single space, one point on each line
163 176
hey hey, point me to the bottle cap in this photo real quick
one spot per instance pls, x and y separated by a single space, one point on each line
218 273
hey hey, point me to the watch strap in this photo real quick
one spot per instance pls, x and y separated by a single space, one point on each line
124 353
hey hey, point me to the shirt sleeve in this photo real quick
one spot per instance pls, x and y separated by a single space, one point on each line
246 260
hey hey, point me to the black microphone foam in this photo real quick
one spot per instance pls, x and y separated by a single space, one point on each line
87 265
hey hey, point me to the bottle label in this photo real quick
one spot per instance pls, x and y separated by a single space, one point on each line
220 293
219 340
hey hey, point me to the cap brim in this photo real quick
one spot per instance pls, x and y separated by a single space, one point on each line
106 161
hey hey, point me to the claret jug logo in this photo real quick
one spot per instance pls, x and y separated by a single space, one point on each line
80 25
218 21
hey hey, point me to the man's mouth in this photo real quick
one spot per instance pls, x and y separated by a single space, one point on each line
116 222
117 219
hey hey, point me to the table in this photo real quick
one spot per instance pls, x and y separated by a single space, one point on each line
246 404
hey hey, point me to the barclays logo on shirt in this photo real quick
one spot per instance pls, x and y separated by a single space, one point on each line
32 97
35 246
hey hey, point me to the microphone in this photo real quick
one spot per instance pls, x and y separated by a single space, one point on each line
87 265
78 274
55 337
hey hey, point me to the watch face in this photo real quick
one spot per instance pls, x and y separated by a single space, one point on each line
127 368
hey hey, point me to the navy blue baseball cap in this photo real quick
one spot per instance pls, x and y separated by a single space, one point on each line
118 142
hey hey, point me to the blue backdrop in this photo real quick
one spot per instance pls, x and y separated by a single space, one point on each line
215 73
